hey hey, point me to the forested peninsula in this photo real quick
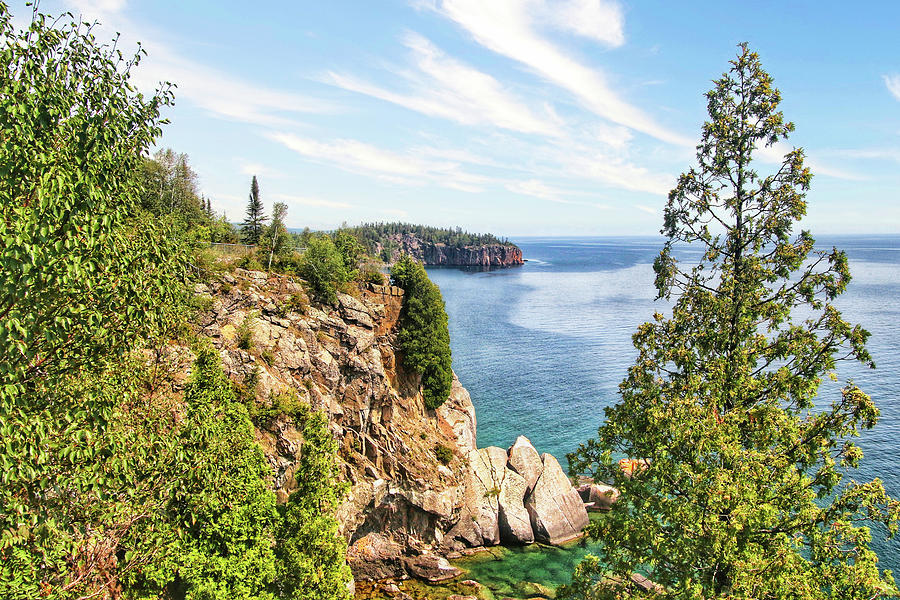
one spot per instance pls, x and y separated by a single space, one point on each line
437 246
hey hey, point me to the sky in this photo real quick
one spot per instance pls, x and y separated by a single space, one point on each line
516 117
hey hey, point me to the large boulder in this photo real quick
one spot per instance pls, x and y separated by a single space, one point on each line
431 568
524 460
556 510
488 466
513 519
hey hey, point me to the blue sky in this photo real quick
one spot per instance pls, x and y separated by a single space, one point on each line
519 117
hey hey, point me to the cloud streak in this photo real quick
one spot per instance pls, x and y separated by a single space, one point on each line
893 85
507 27
359 157
447 88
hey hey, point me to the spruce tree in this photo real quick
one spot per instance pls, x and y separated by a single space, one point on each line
252 228
744 492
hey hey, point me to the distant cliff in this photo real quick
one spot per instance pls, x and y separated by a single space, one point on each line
439 253
437 246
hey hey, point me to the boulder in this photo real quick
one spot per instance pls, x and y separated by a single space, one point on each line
556 510
431 568
602 496
488 466
513 519
374 557
525 461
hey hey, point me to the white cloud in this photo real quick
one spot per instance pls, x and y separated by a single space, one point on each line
213 90
595 19
221 94
538 189
359 157
889 154
507 27
893 85
647 209
444 87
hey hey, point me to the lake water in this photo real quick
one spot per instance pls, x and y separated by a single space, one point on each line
542 347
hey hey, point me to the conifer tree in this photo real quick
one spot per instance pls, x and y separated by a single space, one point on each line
743 491
252 227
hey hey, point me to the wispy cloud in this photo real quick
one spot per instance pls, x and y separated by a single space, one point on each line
507 27
359 157
647 209
539 189
595 19
893 85
445 87
217 92
888 154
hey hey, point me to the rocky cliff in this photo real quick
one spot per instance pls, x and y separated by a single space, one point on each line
420 488
487 255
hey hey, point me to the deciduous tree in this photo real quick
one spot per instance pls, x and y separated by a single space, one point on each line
744 493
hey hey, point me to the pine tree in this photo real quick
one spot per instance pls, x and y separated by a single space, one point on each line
741 492
252 228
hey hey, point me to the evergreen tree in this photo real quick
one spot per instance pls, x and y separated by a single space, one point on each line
424 337
741 494
252 227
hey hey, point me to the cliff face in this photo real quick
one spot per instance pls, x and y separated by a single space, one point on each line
406 509
489 255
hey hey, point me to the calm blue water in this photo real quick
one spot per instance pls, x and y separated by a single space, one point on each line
542 347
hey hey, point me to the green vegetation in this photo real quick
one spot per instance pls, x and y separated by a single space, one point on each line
443 454
112 485
252 228
743 493
424 339
275 236
373 234
324 268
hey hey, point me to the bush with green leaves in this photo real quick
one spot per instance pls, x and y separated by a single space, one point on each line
424 338
110 487
324 268
214 539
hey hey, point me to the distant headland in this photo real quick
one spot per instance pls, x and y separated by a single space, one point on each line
437 246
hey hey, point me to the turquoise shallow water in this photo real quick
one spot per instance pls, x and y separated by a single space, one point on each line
543 347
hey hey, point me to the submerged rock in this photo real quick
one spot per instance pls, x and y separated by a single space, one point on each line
556 510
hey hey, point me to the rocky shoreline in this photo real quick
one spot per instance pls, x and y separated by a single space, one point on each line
410 507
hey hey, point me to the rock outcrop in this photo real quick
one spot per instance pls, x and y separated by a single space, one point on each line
486 255
556 510
406 509
525 461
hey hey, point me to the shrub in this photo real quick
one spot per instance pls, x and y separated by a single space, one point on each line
424 338
244 333
443 454
323 268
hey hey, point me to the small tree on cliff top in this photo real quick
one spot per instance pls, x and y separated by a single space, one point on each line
742 495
